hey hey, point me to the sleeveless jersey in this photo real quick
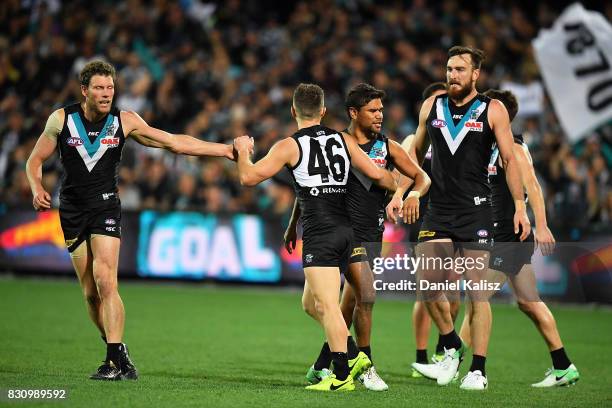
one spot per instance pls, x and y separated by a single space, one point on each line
461 141
320 177
503 203
365 200
90 154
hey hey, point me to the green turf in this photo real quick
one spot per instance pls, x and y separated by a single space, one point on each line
202 346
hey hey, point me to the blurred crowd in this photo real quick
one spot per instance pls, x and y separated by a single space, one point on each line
217 70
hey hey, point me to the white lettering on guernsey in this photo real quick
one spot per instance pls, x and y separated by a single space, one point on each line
332 190
337 153
480 200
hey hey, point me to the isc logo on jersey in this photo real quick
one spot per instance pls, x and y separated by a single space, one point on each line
110 141
473 125
74 141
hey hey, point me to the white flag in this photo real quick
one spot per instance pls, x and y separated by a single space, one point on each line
575 59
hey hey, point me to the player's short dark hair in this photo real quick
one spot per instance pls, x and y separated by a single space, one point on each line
360 95
478 56
431 88
308 99
96 67
507 98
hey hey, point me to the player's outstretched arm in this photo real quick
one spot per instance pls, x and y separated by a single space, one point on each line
362 162
543 236
135 127
281 153
500 123
45 146
290 236
408 167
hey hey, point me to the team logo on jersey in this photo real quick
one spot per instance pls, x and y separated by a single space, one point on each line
474 126
492 169
498 261
308 258
110 221
438 123
377 154
314 191
483 233
110 130
74 141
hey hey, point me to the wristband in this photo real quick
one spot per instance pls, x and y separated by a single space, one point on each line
414 194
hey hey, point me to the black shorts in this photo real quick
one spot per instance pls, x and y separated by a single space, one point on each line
367 244
509 254
328 249
472 230
79 222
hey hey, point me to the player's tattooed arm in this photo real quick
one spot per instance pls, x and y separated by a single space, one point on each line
135 127
44 148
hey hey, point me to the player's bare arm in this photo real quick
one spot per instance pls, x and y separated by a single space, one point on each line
362 162
281 153
45 146
543 236
135 127
417 147
290 237
500 123
421 140
408 167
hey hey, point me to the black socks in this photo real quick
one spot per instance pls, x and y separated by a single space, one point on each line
478 363
341 368
421 356
560 359
326 356
352 348
450 340
367 350
324 359
113 352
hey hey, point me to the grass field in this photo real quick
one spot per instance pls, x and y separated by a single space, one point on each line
202 346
